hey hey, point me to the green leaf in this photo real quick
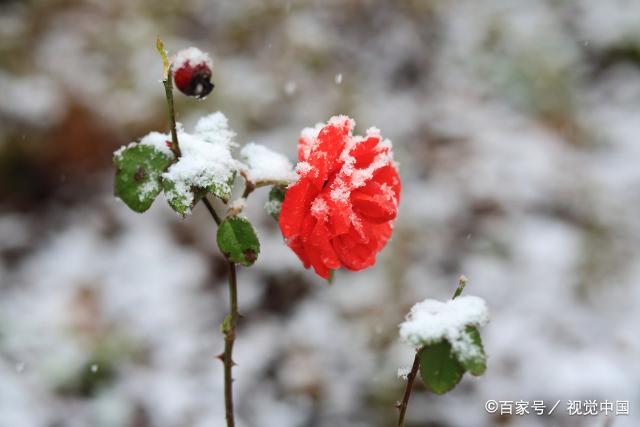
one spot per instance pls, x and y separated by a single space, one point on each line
223 190
182 197
439 368
138 171
238 240
473 357
179 201
276 197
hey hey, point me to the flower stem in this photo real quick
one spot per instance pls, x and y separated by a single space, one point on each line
168 90
402 406
211 210
167 81
229 331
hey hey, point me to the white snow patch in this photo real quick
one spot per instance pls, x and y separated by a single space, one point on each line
403 373
303 168
430 321
214 128
158 141
340 121
319 208
205 161
265 165
191 56
239 204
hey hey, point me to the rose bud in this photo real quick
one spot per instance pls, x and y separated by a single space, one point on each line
192 72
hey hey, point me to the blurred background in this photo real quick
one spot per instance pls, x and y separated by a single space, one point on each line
516 126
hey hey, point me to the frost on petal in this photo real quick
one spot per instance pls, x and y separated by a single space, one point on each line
431 321
307 140
375 202
303 168
266 166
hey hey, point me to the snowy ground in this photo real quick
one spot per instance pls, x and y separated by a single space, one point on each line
516 128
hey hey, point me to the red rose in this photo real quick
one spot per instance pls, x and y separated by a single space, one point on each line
340 211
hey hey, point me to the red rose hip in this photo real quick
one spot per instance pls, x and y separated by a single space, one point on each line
192 72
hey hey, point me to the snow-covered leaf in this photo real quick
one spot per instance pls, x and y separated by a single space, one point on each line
430 321
276 197
205 164
223 190
178 200
470 352
439 368
139 167
238 241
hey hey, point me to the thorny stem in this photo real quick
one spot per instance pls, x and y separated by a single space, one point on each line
229 331
402 406
228 327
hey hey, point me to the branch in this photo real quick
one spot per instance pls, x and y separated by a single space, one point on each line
211 210
402 407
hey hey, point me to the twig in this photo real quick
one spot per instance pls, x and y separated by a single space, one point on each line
167 81
211 210
248 189
249 185
402 406
168 89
